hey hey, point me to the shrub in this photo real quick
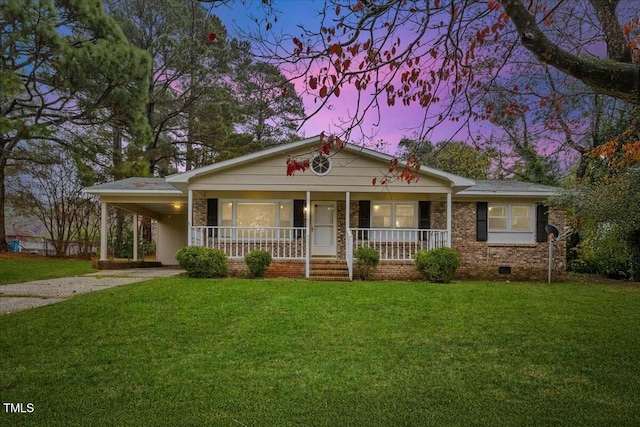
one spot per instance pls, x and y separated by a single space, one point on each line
257 262
203 262
438 265
367 260
605 252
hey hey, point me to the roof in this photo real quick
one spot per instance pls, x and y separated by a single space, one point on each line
134 186
181 180
509 188
177 184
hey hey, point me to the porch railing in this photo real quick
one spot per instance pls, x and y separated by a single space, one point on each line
236 242
398 244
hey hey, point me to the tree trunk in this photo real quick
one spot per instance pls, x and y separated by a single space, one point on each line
3 237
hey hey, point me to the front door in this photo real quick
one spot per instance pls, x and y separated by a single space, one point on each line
323 229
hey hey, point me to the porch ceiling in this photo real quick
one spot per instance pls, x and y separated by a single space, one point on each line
153 210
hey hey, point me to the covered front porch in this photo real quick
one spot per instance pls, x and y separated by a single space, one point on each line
315 226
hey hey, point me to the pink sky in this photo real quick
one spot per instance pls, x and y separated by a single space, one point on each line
396 122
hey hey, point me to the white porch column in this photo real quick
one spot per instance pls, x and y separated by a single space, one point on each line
135 237
346 220
308 240
448 220
189 216
103 231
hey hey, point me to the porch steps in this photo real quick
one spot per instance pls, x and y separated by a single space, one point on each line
328 270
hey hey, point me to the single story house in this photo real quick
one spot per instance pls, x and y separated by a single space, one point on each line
313 222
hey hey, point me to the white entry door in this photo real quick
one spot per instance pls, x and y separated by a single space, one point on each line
323 228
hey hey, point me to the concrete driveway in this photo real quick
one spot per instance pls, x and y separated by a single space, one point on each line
21 296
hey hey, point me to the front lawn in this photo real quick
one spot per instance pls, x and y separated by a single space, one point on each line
24 269
179 351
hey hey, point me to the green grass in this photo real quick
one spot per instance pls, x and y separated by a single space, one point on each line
294 353
27 269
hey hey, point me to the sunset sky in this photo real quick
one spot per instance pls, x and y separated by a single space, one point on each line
396 122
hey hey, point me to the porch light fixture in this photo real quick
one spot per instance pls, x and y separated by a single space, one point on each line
177 205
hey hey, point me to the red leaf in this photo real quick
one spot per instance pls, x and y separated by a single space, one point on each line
338 10
323 92
313 83
374 180
212 37
358 6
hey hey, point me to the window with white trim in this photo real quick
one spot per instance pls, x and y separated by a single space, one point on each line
511 223
265 214
395 216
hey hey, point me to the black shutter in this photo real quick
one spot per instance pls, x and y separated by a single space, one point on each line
212 214
542 219
364 218
298 216
424 217
482 214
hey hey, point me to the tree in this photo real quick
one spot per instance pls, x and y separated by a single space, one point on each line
609 212
438 54
461 159
447 38
63 63
270 107
603 203
191 58
408 147
455 157
527 127
51 191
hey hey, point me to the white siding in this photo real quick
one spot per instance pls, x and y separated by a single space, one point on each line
172 235
350 172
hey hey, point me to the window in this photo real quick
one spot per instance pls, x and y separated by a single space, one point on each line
498 217
265 214
521 218
381 215
405 215
395 219
393 215
510 223
226 218
321 164
507 217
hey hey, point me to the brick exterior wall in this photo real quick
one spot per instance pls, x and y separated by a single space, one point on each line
479 260
396 270
278 268
439 215
199 212
341 233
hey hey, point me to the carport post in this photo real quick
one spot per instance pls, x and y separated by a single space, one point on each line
449 219
135 237
189 216
103 231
